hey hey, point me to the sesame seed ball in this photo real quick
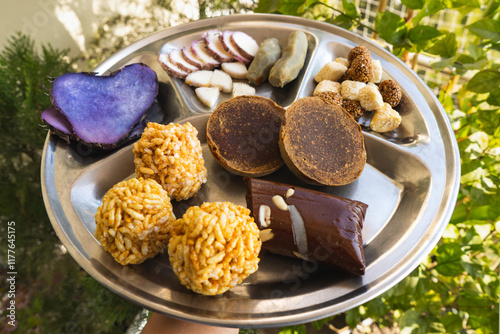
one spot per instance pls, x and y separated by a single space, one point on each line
360 69
357 51
391 92
331 97
353 108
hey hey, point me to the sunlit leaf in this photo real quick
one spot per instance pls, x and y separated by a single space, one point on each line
391 27
486 28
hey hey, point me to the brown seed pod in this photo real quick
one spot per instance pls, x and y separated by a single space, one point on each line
391 92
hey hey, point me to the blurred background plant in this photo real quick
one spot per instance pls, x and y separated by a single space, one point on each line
453 45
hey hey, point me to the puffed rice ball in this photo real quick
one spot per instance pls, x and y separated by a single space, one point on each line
370 97
385 119
327 86
171 155
350 89
214 247
133 221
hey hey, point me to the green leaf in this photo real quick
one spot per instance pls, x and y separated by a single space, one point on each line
268 6
292 7
413 4
486 29
298 329
412 322
446 47
390 27
448 258
429 8
342 20
452 322
486 81
350 8
423 36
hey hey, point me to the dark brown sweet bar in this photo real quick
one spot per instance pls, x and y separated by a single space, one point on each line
333 224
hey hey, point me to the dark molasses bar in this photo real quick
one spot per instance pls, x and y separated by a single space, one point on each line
309 224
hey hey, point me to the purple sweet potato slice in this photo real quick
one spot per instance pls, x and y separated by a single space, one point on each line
58 123
104 109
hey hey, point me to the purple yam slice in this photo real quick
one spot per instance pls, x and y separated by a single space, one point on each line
104 109
58 123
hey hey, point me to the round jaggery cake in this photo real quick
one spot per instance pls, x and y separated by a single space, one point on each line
321 143
243 135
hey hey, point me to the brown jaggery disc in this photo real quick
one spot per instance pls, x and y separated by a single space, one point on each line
322 144
243 135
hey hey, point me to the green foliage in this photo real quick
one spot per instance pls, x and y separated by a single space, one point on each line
456 289
53 294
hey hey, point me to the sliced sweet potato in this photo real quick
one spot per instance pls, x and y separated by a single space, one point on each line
228 45
199 49
103 110
170 67
175 56
214 46
245 44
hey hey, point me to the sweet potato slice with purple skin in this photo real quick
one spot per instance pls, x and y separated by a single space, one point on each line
58 123
104 109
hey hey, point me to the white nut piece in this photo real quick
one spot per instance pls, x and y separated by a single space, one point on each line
280 202
266 235
289 192
264 215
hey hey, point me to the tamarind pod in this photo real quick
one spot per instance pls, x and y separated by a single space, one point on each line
292 60
267 55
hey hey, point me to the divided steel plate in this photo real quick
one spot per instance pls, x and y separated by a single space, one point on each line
410 184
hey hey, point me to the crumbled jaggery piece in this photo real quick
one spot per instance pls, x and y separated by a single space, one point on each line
391 92
331 97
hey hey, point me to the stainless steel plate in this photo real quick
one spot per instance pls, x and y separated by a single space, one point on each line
410 184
